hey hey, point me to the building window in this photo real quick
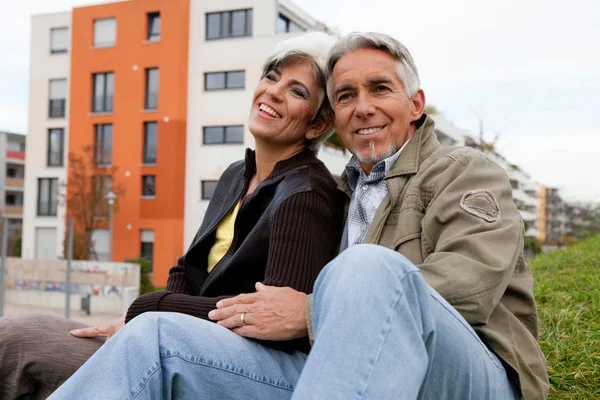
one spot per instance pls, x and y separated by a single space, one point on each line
105 32
224 80
514 183
147 246
13 199
223 134
151 99
104 88
229 24
150 142
103 144
208 188
285 25
153 27
149 185
59 40
58 96
56 139
47 196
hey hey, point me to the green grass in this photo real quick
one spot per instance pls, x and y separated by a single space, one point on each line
567 290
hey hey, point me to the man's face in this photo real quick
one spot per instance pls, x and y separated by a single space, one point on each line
373 114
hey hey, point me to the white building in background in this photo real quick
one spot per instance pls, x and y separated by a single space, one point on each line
228 45
47 139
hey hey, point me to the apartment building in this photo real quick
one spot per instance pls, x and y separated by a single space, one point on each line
556 218
160 91
47 139
12 185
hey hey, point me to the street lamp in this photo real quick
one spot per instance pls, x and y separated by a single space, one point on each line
111 197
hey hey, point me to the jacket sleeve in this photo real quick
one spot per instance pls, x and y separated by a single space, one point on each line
303 238
473 234
301 242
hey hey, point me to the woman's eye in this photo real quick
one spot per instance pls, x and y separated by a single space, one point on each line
270 77
299 93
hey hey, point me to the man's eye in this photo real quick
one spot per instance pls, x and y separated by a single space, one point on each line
343 97
381 88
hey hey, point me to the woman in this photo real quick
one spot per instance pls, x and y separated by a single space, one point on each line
274 218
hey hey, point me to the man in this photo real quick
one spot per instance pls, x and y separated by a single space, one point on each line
442 308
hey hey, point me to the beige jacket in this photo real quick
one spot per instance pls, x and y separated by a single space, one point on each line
450 209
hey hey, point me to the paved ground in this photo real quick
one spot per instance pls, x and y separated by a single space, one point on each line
80 316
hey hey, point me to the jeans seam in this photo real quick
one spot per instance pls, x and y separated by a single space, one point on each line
143 385
399 294
208 365
472 332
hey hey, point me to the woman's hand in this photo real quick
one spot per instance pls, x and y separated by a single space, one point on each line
107 330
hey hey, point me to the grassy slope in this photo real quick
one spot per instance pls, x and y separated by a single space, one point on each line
567 290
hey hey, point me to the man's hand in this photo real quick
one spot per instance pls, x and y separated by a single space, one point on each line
107 330
272 313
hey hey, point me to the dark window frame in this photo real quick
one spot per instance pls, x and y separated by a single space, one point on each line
150 18
61 151
56 107
203 188
224 139
150 98
58 51
226 24
144 194
107 102
51 208
145 159
288 22
225 80
100 134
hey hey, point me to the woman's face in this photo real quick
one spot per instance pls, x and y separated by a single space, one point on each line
284 103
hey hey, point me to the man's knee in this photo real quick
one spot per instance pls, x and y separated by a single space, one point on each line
368 262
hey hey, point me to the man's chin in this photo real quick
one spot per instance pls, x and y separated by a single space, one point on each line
373 157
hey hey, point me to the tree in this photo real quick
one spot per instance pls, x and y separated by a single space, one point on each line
84 197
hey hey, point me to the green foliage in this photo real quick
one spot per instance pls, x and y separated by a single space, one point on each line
17 244
430 109
335 141
567 292
532 245
146 285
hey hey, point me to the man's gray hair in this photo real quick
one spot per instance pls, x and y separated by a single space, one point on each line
313 46
405 66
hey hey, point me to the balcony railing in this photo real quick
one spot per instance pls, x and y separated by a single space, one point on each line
56 108
15 155
15 182
13 210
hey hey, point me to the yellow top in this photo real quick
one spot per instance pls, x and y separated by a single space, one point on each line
223 238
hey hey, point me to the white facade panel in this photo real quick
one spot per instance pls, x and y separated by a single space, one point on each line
45 243
45 66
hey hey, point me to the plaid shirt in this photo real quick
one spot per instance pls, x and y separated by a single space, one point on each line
367 193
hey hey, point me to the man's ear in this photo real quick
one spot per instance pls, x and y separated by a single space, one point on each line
318 128
418 101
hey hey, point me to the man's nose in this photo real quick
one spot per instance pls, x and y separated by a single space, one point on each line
364 106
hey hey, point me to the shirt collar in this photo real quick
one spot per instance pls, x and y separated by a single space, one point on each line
354 170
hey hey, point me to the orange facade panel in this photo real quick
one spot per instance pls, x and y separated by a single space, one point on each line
113 47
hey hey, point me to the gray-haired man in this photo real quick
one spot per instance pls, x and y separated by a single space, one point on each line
430 299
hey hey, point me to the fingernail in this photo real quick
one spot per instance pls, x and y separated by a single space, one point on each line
73 331
211 314
219 304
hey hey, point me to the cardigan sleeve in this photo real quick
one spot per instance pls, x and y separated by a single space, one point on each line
303 238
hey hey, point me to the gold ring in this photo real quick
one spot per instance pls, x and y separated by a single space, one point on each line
242 319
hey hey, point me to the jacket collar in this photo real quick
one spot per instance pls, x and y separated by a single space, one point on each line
420 146
280 167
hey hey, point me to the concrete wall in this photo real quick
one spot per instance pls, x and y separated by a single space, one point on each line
44 66
112 286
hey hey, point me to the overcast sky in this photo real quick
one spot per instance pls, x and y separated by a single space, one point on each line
530 69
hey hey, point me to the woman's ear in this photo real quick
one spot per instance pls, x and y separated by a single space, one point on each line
318 128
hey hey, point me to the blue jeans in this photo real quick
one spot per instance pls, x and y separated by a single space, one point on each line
380 333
